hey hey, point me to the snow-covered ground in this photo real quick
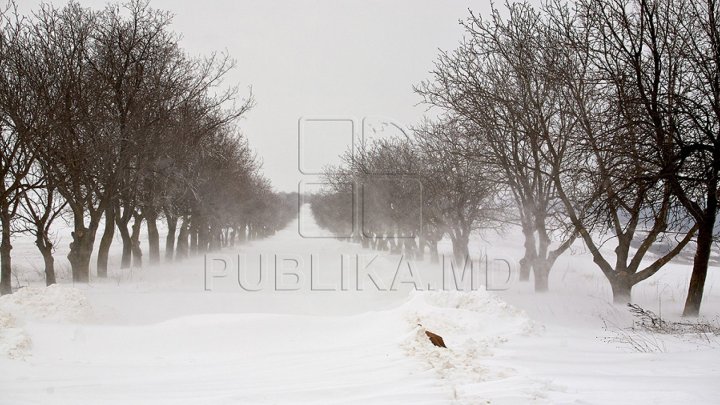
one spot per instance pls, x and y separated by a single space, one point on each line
176 333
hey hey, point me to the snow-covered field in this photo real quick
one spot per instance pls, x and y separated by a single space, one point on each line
171 334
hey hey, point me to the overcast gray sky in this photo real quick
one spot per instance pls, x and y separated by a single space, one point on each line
349 59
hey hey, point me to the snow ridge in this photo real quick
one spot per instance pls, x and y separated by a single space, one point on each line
472 324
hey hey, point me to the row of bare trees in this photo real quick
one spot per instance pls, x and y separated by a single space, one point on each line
107 122
411 192
597 121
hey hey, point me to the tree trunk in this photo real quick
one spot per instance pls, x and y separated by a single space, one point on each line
460 248
172 221
182 241
153 236
5 264
525 268
106 242
394 245
415 249
135 241
381 243
700 264
194 234
434 256
242 232
364 241
80 252
202 235
621 288
126 246
541 273
45 248
530 253
233 233
213 238
122 225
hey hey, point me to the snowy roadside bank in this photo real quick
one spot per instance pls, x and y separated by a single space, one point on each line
377 355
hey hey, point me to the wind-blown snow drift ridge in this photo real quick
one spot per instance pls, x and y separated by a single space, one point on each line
59 303
14 342
471 324
56 303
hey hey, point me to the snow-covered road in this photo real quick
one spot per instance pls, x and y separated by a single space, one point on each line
157 336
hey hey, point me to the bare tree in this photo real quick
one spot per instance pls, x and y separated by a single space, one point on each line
18 121
699 106
65 92
603 176
413 190
135 59
662 59
492 81
14 166
464 193
41 205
